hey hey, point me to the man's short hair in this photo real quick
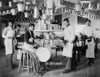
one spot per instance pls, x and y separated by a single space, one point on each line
10 21
66 19
31 24
88 20
18 25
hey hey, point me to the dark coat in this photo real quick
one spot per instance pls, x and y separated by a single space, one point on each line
29 34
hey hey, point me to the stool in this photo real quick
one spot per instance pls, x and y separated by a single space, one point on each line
25 63
58 49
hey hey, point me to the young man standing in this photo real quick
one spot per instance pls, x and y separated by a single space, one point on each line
69 36
89 32
8 35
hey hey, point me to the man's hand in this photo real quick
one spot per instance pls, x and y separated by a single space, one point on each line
9 37
65 42
31 40
36 45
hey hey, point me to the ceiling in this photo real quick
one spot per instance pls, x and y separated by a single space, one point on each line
76 1
73 1
97 12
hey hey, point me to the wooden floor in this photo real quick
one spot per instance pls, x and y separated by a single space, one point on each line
82 70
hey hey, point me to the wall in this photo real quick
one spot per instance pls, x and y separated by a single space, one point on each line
95 23
81 23
3 24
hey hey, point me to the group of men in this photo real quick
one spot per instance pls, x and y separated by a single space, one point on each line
69 37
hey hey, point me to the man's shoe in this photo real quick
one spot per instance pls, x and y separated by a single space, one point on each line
89 64
40 73
45 69
66 71
13 67
73 69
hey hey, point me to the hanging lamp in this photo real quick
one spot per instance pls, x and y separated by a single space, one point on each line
15 0
77 7
21 7
49 3
36 13
26 7
26 14
10 4
13 11
0 4
4 13
33 1
7 12
21 0
98 5
49 10
0 13
44 16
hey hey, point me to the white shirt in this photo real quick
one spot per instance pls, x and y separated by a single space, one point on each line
69 33
8 32
88 30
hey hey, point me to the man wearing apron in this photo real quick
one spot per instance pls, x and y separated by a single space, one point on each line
69 36
89 32
8 34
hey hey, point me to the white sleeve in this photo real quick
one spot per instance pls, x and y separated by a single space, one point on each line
72 34
4 33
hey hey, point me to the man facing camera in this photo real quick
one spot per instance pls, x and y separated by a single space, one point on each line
69 36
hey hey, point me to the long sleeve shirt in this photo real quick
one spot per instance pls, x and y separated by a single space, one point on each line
29 34
69 33
88 31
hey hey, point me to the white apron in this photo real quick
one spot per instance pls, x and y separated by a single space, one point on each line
90 51
67 50
29 47
69 35
9 42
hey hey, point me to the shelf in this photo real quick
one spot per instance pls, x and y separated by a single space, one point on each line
48 30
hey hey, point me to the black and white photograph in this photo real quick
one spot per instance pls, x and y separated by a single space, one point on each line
49 38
